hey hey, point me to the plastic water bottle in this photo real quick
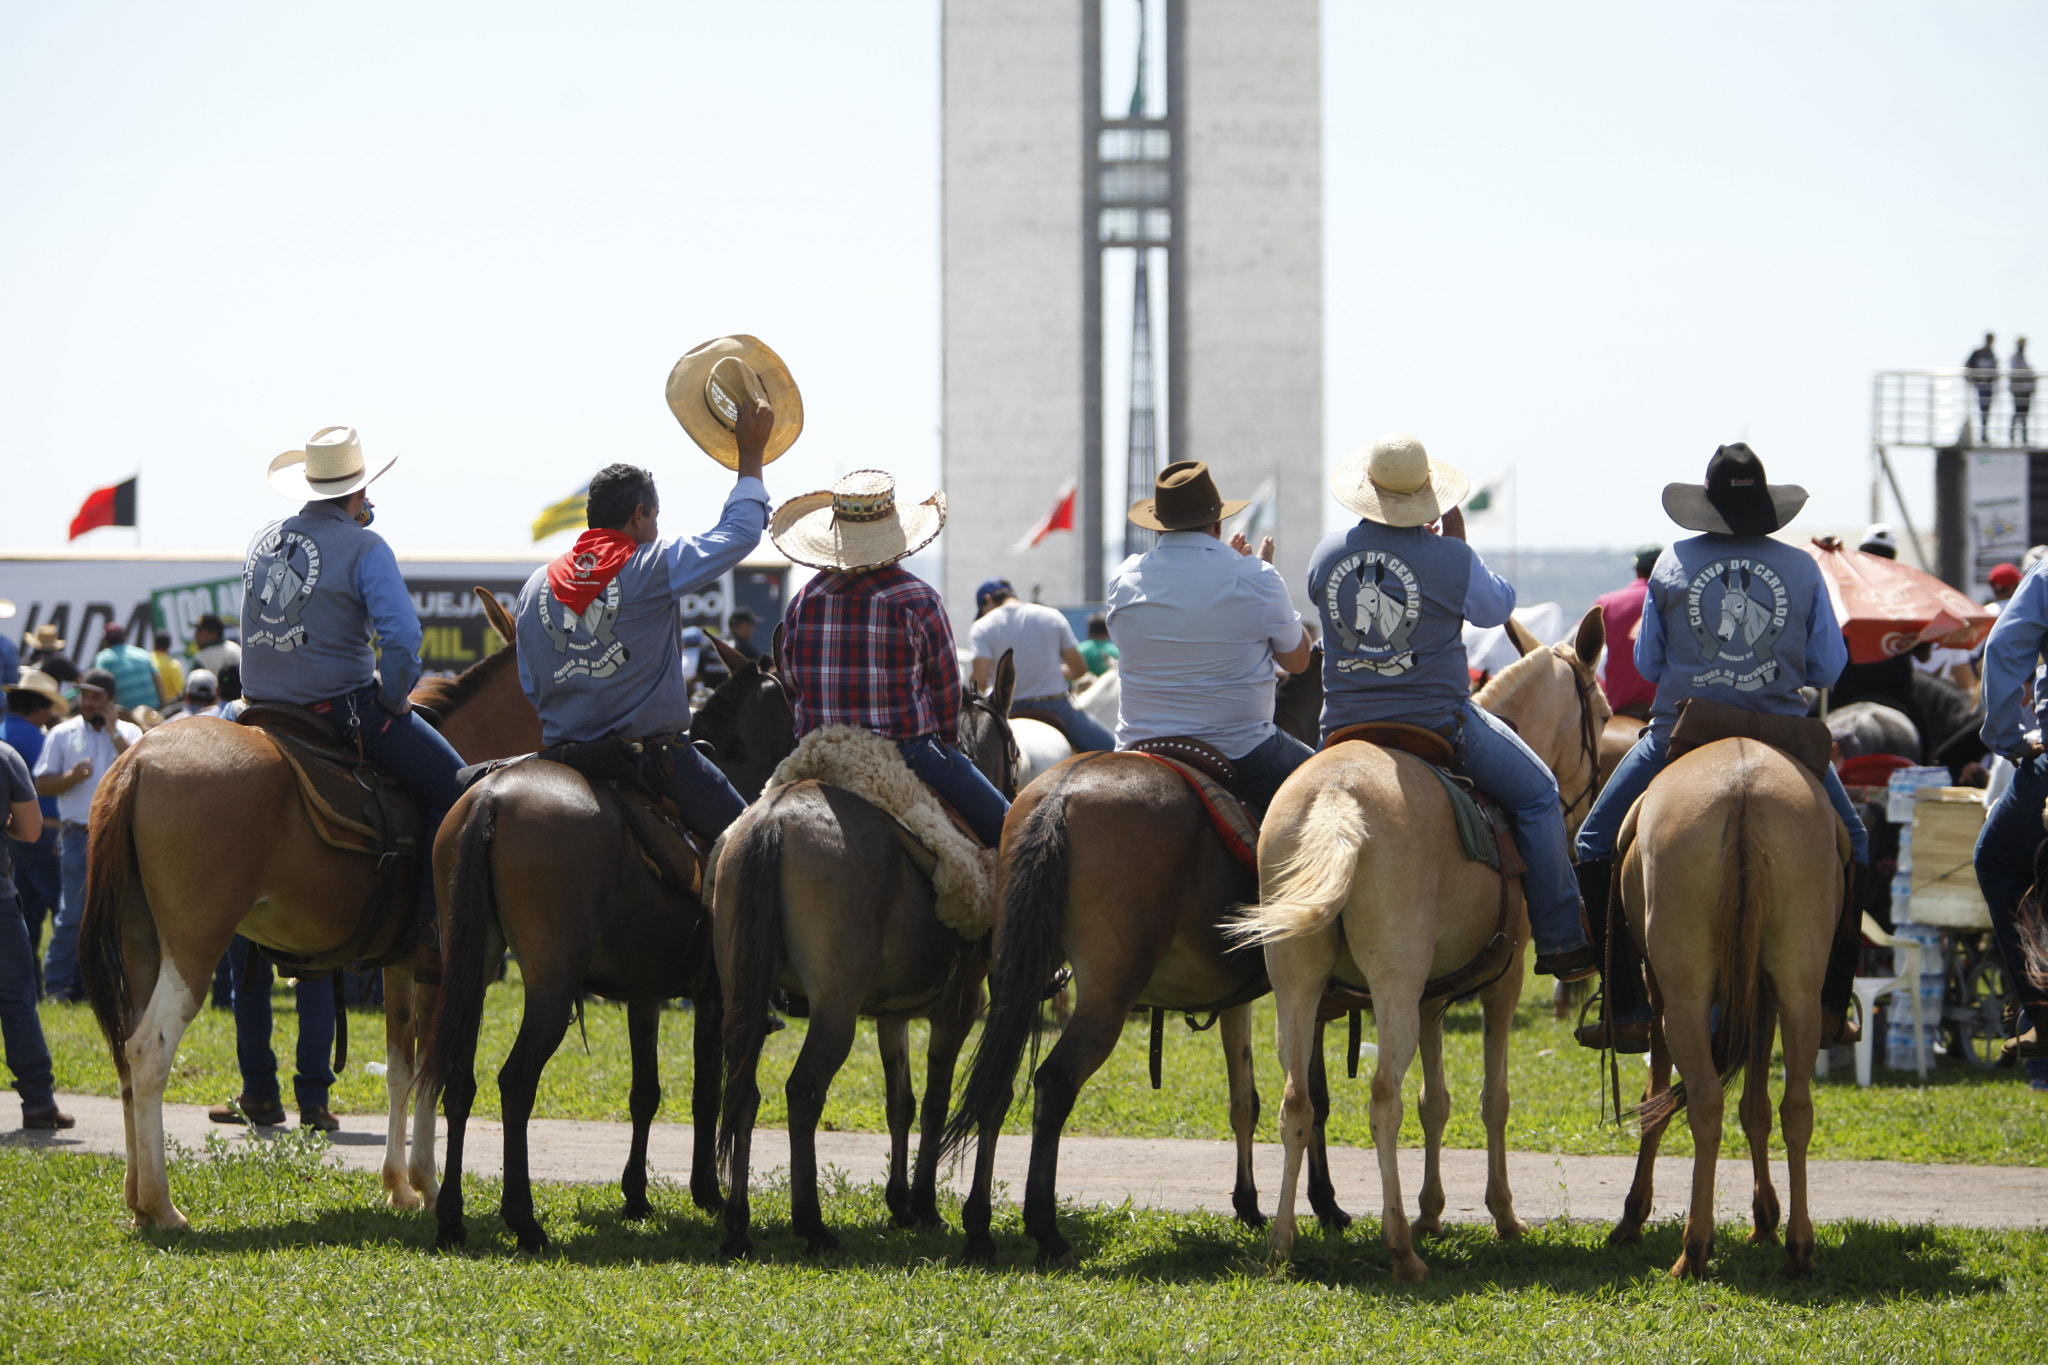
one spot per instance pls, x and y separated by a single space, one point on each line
375 1068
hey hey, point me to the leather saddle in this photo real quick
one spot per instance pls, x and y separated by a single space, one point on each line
353 805
1214 780
1428 745
1206 759
1803 739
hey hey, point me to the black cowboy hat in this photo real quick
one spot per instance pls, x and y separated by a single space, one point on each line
1737 500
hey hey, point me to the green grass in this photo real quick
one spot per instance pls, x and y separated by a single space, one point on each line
1959 1115
290 1259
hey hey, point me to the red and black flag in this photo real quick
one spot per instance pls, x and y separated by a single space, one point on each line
106 507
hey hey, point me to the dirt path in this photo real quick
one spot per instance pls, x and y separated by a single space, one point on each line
1187 1175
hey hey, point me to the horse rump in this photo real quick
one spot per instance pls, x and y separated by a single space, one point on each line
755 967
1313 882
110 871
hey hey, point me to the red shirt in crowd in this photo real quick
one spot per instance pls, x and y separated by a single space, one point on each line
1620 610
872 649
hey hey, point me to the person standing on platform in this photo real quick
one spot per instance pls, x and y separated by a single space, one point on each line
2019 382
1621 611
1982 372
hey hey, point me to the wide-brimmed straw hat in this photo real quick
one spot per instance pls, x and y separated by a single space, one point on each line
1184 498
331 466
45 636
708 384
1736 500
857 524
43 685
1395 482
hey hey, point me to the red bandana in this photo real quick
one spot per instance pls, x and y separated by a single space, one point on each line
578 576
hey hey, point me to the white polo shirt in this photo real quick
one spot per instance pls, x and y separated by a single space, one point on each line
1035 636
72 740
1196 625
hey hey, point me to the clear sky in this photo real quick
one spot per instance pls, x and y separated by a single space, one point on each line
1590 241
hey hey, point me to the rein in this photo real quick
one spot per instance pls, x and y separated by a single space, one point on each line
977 702
1589 748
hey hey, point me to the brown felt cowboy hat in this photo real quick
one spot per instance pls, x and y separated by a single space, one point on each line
1184 498
707 386
1736 500
1394 482
857 524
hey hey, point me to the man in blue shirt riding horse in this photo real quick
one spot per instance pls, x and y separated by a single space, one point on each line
2012 828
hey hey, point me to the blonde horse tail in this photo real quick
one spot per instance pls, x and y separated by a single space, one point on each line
110 869
1309 888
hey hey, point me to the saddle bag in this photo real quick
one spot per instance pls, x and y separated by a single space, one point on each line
1803 739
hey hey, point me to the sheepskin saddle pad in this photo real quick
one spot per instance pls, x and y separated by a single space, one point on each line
862 762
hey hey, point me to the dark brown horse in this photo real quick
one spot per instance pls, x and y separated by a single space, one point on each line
198 833
1110 862
818 893
538 858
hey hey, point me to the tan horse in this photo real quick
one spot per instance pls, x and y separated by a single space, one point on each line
1362 884
198 833
1733 904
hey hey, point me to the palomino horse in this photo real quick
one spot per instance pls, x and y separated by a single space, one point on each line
538 858
816 892
164 897
1731 905
1362 884
1112 863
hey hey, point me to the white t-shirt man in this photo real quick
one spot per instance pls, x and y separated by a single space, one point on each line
1036 637
71 742
218 655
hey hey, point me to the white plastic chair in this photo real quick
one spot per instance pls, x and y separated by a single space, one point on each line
1869 988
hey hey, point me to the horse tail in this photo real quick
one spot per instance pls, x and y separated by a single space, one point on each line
110 870
1745 1005
756 966
472 909
1028 948
1309 888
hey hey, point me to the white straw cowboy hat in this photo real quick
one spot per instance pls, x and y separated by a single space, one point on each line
1395 482
708 384
857 525
44 636
43 685
331 466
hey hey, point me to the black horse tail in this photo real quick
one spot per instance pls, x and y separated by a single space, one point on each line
472 909
110 871
1028 948
756 965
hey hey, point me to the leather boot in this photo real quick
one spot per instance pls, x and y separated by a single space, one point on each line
1624 983
1837 1028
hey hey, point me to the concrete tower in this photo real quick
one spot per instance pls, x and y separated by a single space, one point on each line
1038 185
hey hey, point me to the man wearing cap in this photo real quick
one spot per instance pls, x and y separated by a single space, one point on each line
34 704
1783 637
867 643
135 677
1045 653
76 755
317 588
1394 597
2012 827
1621 611
202 698
214 651
1203 630
601 625
21 1030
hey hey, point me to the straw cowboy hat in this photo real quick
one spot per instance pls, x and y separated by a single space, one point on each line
708 384
331 466
1736 500
45 637
1395 482
43 685
6 608
1184 498
857 525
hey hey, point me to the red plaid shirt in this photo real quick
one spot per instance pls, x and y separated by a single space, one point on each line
872 649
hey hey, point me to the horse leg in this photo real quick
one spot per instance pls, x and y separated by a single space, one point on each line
899 1107
1755 1110
826 1044
1399 1012
1236 1028
541 1026
399 1034
458 1096
1795 1117
1497 1010
643 1029
419 1170
1322 1191
708 1059
1685 1026
150 1048
1090 1036
950 1025
1433 1108
1298 968
977 1211
1635 1210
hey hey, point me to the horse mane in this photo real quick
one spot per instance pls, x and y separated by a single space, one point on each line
725 702
447 695
1505 686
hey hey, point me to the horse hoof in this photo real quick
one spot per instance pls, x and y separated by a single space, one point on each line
929 1221
736 1249
173 1221
819 1242
1689 1267
533 1243
1513 1230
1280 1265
905 1219
710 1202
1426 1227
1409 1269
404 1198
1250 1216
978 1251
1063 1259
637 1211
1625 1234
1763 1237
451 1236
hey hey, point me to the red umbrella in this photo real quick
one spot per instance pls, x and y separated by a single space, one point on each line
1886 608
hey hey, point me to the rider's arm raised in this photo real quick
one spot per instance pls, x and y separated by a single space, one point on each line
695 561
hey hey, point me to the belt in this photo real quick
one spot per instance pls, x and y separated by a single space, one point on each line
1048 697
72 824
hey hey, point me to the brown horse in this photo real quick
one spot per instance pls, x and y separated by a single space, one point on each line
1111 863
817 893
1362 884
538 858
1731 906
164 898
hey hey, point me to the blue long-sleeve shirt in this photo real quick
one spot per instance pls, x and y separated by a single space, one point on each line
317 590
2011 653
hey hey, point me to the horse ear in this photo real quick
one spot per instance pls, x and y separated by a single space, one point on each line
1591 637
1005 683
1519 633
501 620
733 660
775 649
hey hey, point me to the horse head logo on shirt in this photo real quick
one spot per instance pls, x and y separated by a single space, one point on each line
289 565
1736 609
588 639
1386 606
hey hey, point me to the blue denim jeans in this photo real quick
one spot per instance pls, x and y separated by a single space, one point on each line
38 884
1499 764
702 793
1083 733
959 783
1632 778
252 1032
60 960
1261 772
2005 866
413 752
21 1030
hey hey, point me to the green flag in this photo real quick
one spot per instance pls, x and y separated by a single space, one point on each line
565 515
